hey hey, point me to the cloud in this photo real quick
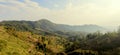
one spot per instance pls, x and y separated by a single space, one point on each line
90 13
87 12
18 10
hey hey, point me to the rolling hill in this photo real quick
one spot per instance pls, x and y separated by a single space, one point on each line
46 25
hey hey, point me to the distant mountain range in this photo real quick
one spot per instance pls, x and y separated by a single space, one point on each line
49 26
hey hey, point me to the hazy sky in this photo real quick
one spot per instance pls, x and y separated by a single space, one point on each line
73 12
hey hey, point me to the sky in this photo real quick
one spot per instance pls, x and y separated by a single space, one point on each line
72 12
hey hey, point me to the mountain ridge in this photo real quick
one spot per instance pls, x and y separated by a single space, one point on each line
47 25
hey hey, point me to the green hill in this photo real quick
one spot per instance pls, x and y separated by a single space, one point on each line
17 43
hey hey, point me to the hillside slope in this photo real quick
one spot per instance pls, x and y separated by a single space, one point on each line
14 42
10 45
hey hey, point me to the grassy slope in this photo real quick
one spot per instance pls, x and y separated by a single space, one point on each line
16 43
11 45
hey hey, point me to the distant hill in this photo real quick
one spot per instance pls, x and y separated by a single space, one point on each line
46 26
49 26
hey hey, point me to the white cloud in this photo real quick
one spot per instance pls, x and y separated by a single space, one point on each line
18 10
90 13
86 13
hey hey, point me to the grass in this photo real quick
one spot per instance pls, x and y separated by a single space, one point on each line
17 43
11 45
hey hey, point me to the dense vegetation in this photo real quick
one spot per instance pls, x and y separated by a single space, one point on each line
19 38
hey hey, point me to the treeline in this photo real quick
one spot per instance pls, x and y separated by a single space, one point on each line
104 44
